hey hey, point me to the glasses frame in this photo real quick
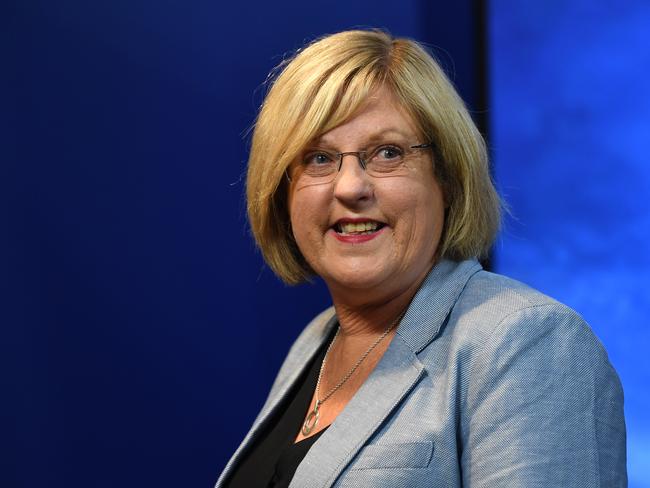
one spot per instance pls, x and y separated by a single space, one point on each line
360 158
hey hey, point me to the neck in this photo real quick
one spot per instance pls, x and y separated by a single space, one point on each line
365 317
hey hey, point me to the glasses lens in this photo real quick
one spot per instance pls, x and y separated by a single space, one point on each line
385 160
319 165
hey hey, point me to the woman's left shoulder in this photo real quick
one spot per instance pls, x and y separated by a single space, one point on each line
532 371
491 301
496 317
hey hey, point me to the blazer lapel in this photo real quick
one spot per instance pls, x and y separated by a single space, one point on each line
299 357
394 376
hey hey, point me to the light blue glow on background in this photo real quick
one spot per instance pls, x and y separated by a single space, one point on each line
570 122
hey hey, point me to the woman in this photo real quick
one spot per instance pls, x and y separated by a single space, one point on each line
367 171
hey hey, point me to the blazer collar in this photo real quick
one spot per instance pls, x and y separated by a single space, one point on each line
394 376
432 303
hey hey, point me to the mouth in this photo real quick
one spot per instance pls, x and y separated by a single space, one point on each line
357 228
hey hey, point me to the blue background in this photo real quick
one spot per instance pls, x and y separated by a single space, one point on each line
127 269
570 128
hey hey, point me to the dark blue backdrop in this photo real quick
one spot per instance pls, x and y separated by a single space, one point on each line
128 275
140 329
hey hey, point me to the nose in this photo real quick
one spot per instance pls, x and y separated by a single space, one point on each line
352 183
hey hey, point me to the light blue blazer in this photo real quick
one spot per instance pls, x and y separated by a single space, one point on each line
487 383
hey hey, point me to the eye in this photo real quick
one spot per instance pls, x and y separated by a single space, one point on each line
388 153
317 158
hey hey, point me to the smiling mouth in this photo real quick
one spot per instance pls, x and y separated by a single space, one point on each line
357 228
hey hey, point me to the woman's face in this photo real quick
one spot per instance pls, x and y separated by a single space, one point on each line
402 212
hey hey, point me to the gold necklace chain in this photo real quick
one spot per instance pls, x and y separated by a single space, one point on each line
312 418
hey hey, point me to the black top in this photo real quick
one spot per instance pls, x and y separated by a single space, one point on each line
273 458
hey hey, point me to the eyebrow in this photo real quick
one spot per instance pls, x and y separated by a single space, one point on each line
373 138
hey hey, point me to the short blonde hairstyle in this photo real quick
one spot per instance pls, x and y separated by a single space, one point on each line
323 86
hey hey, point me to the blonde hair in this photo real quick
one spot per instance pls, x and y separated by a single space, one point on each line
321 87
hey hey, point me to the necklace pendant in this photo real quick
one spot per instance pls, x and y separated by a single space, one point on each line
312 420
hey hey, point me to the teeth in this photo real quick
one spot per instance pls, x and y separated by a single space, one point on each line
358 227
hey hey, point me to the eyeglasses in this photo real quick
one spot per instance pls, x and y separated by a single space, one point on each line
320 166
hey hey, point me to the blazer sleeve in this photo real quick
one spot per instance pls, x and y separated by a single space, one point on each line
544 407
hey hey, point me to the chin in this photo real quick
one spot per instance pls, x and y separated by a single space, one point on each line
359 280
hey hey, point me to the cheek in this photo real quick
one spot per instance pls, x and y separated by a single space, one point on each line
433 204
420 214
307 209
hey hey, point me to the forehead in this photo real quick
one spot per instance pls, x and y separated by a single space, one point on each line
380 116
